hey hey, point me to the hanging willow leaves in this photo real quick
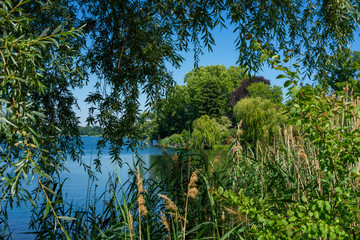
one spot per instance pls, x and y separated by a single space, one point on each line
38 71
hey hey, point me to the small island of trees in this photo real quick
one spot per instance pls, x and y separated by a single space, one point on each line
206 110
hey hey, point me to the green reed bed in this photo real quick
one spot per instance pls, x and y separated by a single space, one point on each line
304 184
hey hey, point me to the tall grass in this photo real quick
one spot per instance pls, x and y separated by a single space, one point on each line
302 185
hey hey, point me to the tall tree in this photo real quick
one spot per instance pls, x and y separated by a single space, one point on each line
265 91
242 91
209 87
173 112
342 69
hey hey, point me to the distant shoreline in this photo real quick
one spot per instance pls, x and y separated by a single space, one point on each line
90 135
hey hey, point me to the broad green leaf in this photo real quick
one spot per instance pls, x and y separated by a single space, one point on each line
281 76
287 83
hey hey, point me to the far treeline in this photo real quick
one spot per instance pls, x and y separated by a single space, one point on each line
90 131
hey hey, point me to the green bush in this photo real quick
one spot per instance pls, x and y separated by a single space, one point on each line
175 139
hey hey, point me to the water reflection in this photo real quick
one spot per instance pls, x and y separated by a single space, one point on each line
80 191
78 187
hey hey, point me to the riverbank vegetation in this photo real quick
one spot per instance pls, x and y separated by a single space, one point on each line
291 171
303 184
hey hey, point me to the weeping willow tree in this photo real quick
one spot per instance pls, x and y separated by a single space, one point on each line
260 119
206 133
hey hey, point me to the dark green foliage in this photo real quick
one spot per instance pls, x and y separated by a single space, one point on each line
147 126
211 100
205 93
38 126
342 69
209 88
173 113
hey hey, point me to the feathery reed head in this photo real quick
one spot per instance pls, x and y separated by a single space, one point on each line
139 182
164 221
193 191
141 200
131 223
169 205
142 209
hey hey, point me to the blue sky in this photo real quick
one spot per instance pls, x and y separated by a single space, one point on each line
224 53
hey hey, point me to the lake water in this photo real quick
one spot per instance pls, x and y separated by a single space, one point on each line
76 185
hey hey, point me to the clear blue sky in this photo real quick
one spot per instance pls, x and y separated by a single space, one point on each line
224 53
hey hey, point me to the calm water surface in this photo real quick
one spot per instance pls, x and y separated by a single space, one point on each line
77 182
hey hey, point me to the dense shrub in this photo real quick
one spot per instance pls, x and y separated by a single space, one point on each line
173 140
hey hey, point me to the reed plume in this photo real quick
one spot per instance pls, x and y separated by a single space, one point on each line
169 205
193 190
141 200
131 223
164 221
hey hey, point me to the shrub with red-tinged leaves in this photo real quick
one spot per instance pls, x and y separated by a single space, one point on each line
242 91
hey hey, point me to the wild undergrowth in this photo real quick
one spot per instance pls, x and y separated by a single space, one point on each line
304 184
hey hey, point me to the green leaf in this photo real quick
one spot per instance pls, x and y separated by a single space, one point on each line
44 33
263 57
281 76
67 218
256 46
295 90
47 209
220 190
4 101
288 83
56 29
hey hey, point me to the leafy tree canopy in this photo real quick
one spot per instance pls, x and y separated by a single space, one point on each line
130 42
342 69
173 113
133 40
209 88
147 125
265 91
